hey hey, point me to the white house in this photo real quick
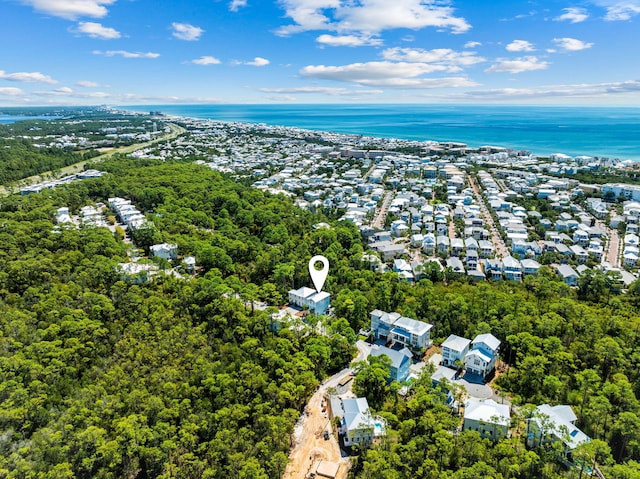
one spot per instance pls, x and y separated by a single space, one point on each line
357 425
400 329
487 417
454 348
318 303
555 423
165 250
481 358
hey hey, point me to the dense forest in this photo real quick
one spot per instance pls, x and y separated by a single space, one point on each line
173 378
19 158
184 377
26 147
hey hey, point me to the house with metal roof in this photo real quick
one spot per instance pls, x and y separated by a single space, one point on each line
400 361
487 417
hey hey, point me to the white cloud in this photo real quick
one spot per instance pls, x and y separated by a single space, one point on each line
386 74
472 44
206 60
11 91
235 5
87 84
571 44
517 65
62 91
369 16
71 9
126 54
584 90
520 46
96 30
619 10
348 40
185 31
27 77
321 90
573 15
257 62
450 59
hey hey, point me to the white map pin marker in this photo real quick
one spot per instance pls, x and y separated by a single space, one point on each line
318 276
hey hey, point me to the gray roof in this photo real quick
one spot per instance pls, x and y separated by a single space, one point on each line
566 271
487 410
396 356
357 414
562 417
456 343
489 339
412 325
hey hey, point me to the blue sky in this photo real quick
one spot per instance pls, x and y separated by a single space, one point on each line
123 52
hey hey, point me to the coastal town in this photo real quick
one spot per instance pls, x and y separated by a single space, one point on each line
483 213
428 210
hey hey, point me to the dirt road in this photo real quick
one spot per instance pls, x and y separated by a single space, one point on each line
310 446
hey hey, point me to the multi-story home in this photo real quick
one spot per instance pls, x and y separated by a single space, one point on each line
511 269
400 361
550 424
164 250
318 303
454 348
399 329
481 358
429 243
487 417
568 274
357 425
529 266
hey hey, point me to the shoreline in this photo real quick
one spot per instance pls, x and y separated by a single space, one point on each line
356 123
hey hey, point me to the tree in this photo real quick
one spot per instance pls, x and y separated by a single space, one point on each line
371 379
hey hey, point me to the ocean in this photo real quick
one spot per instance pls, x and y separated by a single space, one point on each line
593 131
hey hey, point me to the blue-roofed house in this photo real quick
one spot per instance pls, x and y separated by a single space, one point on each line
400 361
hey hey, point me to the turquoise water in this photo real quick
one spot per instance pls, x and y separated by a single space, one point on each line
594 131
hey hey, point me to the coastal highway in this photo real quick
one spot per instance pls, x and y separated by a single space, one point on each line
176 131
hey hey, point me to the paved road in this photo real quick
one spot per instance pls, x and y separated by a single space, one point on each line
76 167
496 239
378 223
